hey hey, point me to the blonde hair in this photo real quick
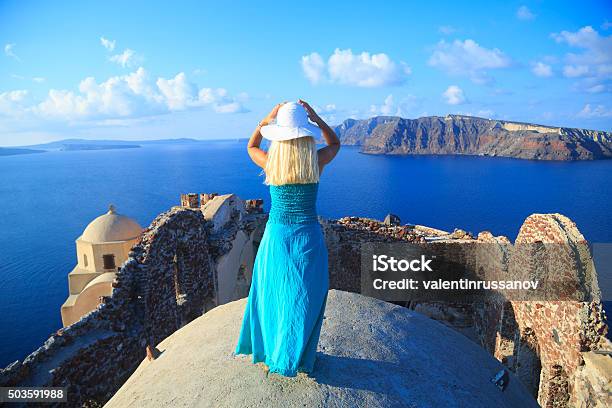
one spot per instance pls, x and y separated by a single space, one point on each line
292 161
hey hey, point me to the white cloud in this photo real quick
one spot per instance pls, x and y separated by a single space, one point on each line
229 107
573 71
387 108
209 95
34 79
468 58
125 59
593 66
313 67
599 111
132 96
391 107
11 102
541 69
362 70
586 38
9 51
108 44
329 112
606 24
446 29
596 88
220 101
329 108
178 92
119 96
523 13
454 95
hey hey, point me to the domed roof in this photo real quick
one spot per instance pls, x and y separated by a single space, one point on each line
370 353
111 227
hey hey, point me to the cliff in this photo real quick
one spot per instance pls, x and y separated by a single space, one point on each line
371 354
467 135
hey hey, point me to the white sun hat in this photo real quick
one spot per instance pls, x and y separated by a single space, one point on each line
291 123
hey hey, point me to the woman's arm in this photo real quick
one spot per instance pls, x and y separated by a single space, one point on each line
255 152
327 153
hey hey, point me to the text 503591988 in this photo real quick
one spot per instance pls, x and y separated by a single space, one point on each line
33 394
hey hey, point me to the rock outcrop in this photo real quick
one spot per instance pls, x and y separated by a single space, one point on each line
467 135
371 354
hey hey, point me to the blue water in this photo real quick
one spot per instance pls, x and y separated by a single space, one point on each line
46 200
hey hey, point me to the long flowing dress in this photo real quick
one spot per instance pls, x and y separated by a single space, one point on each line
284 311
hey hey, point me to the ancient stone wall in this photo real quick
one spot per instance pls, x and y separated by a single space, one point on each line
168 280
557 332
591 385
543 342
344 238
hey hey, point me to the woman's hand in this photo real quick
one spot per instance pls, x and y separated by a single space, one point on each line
311 112
327 153
272 115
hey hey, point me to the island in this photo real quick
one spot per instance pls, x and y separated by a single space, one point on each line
88 146
469 135
9 151
68 145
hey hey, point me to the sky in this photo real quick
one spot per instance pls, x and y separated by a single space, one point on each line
212 70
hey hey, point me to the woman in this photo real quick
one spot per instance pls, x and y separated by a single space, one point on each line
284 312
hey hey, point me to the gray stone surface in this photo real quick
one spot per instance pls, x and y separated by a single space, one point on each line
371 353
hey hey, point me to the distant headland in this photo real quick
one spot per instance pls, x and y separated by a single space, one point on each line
9 151
88 144
469 135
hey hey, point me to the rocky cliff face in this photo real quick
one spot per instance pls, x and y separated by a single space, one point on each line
466 135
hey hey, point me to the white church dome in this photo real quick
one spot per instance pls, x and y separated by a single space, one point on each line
111 227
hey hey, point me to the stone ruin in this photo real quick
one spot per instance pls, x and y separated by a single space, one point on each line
558 349
200 254
189 260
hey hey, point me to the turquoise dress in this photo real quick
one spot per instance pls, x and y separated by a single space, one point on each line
284 311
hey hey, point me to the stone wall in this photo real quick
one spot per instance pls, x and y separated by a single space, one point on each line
544 342
169 279
554 335
592 384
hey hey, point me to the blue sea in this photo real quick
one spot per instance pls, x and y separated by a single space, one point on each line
47 199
